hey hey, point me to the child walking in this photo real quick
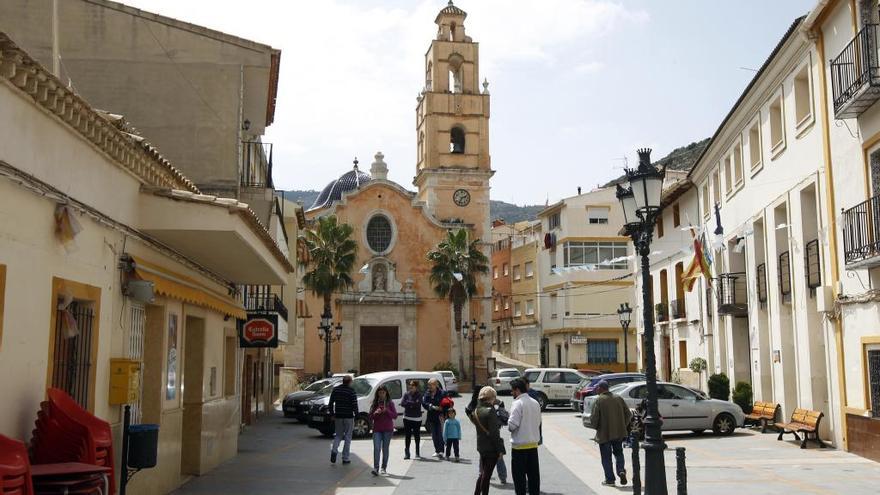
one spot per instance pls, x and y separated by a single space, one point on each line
451 433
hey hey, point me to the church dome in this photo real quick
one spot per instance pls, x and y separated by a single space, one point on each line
349 181
451 9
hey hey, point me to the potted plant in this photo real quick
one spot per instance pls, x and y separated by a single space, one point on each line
662 311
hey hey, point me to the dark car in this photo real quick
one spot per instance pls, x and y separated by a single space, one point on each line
293 404
587 387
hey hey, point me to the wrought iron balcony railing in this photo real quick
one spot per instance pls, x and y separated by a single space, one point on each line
861 234
677 309
855 74
732 294
263 301
256 164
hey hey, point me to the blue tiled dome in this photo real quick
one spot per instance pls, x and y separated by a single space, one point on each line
348 181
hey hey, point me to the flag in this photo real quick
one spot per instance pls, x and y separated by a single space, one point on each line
699 265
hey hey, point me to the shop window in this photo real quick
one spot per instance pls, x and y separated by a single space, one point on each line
601 351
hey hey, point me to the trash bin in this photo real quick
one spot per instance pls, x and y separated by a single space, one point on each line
143 444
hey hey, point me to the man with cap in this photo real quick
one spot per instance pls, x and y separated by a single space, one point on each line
610 417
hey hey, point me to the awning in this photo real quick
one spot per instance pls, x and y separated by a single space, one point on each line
177 286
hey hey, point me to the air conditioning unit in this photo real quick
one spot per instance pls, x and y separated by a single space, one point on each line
139 290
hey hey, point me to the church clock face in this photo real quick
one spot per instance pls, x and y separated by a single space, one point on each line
461 197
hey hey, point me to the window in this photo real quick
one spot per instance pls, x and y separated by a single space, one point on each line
755 145
532 376
777 126
553 301
680 393
553 377
494 272
506 270
569 377
553 221
676 215
873 362
506 303
705 198
379 233
529 268
530 307
728 175
660 231
682 354
428 76
455 61
137 323
72 351
601 351
517 309
597 215
497 305
716 187
737 165
803 103
456 140
600 254
516 274
395 390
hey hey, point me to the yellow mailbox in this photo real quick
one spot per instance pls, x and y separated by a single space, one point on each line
125 380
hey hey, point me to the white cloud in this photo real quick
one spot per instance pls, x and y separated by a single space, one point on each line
588 67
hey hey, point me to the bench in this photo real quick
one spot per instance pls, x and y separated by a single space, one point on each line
763 413
802 421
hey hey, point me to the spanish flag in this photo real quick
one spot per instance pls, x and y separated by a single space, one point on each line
699 265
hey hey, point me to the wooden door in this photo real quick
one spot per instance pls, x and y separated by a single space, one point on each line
378 349
667 360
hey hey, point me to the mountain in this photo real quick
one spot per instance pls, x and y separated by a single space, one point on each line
511 213
682 158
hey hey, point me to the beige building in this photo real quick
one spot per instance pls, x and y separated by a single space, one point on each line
525 332
103 257
584 274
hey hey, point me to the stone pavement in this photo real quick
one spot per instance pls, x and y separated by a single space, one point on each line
280 456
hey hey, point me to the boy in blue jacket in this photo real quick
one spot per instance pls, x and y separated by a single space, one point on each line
451 433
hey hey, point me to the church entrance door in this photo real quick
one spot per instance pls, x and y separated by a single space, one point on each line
378 349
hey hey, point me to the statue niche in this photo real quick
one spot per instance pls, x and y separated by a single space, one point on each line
380 277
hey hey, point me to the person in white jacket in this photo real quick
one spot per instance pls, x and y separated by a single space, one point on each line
525 434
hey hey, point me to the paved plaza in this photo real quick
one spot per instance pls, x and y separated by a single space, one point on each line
281 456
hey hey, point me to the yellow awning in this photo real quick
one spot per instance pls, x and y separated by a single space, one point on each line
177 286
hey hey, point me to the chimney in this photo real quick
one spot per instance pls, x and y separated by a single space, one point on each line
579 190
379 169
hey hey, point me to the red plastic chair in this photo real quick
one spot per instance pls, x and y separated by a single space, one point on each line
15 468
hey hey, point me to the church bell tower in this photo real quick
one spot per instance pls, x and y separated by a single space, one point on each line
452 124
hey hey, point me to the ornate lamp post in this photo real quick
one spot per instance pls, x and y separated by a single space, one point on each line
473 335
325 333
641 207
624 313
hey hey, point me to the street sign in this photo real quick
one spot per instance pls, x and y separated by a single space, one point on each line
260 330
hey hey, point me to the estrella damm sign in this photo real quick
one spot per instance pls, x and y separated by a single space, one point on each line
259 331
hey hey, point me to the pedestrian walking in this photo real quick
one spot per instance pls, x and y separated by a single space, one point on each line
412 417
434 421
382 413
610 417
489 443
343 408
503 417
451 433
525 434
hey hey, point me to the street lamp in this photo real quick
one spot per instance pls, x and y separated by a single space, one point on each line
477 334
325 333
624 313
641 207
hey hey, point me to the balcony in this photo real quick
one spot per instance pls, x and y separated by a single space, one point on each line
259 299
256 165
861 226
662 311
732 298
677 309
855 75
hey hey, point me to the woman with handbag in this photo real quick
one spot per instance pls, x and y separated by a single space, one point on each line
489 442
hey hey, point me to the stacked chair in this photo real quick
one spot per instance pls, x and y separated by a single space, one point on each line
15 468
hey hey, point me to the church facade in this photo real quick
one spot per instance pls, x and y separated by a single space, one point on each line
392 319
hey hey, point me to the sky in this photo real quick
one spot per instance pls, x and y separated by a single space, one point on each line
576 85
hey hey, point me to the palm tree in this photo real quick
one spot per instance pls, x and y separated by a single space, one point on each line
455 266
332 254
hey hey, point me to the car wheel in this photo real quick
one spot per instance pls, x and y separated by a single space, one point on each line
361 426
542 401
724 424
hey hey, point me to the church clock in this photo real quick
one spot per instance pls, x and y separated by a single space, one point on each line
461 197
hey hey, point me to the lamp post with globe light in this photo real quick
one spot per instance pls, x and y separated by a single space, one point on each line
641 208
473 333
625 313
326 333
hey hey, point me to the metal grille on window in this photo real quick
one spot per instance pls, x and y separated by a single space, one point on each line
136 351
72 356
379 233
874 381
813 265
761 282
602 351
785 276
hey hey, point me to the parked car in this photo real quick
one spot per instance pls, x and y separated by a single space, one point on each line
450 382
591 373
365 387
588 387
554 386
500 379
680 407
292 405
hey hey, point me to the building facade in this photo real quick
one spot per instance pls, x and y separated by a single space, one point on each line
526 300
502 235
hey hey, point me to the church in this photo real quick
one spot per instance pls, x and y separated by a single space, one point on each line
391 318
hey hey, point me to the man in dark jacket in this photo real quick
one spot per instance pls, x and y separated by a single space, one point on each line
343 409
610 417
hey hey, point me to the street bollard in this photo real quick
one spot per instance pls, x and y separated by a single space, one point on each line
637 468
681 473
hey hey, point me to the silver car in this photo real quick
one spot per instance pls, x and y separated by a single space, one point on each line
680 408
450 382
501 378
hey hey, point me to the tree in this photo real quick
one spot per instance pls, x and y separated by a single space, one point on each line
332 254
455 265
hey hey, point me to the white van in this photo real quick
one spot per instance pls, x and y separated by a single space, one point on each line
365 387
